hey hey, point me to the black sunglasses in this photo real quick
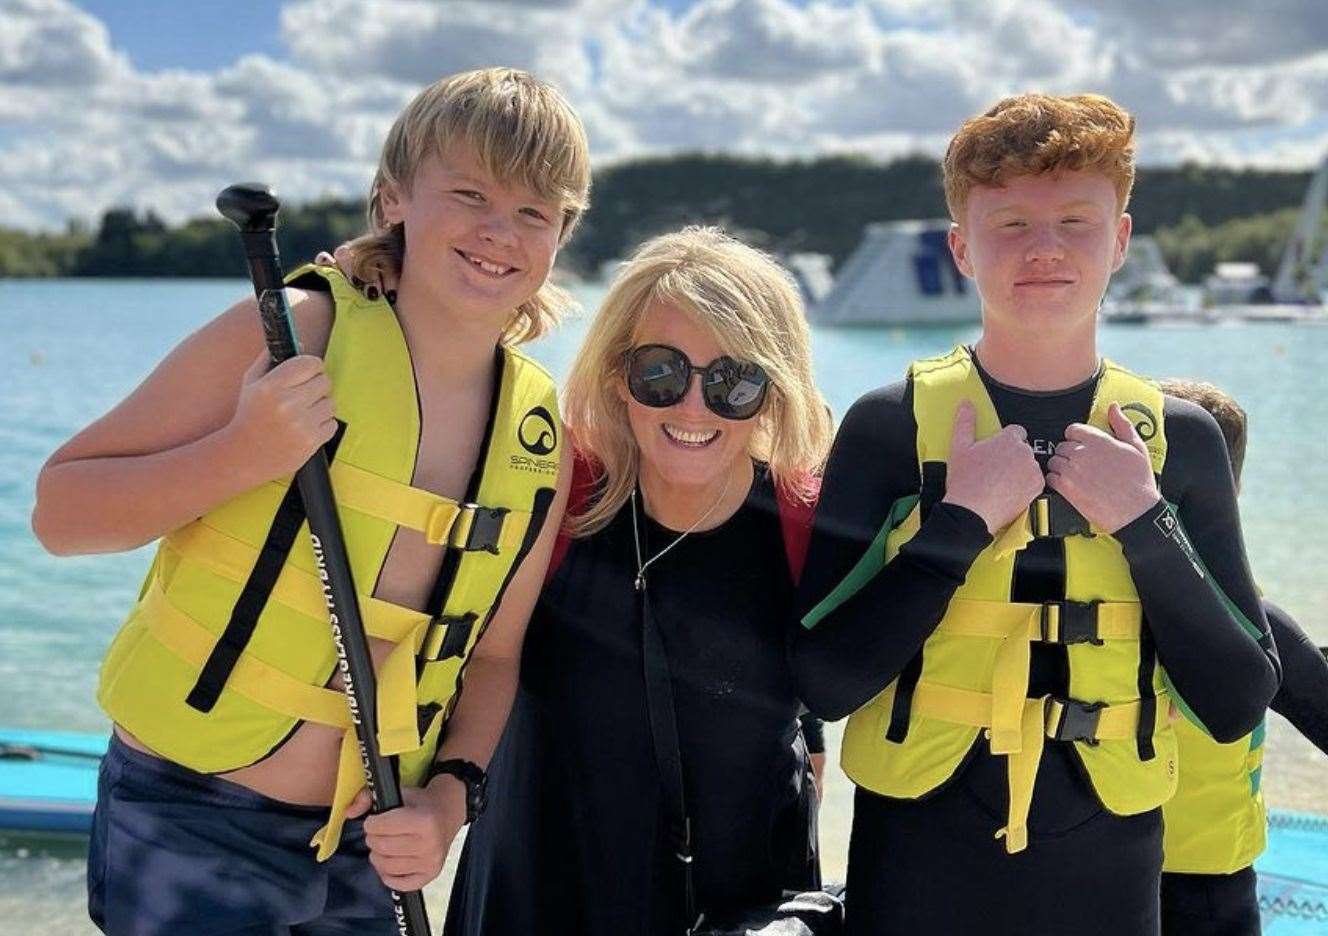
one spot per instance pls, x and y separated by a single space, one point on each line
659 375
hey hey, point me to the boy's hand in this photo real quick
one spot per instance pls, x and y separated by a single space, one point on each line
1108 478
407 846
996 478
284 414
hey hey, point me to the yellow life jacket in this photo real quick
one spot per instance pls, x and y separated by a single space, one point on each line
1217 822
972 674
228 649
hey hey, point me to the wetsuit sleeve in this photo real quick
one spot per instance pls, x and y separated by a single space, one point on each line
1188 562
855 640
1303 697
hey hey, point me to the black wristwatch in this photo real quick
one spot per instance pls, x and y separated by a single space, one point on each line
469 773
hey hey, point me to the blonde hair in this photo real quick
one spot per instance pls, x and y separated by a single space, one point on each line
754 310
1030 134
522 131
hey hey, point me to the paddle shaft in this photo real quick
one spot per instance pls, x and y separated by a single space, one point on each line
254 210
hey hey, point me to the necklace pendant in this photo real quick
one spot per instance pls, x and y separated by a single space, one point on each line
640 581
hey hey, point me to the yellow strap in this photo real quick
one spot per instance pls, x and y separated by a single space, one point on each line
1016 624
1038 720
232 559
415 508
251 678
398 721
350 780
1013 538
439 518
398 726
973 617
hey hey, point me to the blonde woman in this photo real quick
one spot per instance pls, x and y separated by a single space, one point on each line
684 486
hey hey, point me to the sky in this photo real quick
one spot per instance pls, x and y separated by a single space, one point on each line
158 104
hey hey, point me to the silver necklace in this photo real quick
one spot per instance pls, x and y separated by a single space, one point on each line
636 535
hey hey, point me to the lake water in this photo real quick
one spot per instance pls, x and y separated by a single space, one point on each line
69 349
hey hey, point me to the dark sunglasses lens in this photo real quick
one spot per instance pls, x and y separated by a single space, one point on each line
657 376
735 390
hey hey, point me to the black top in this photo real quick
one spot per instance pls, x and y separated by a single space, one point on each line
572 840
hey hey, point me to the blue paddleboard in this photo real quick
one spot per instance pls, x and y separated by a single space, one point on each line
48 780
1293 875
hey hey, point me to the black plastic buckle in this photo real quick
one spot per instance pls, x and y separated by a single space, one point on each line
1062 518
455 636
486 526
1077 622
1078 721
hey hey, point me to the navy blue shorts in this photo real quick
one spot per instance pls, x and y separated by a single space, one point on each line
174 851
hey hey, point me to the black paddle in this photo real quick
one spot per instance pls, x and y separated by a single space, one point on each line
253 209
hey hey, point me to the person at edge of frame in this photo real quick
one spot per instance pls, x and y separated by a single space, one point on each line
1024 557
232 732
1216 824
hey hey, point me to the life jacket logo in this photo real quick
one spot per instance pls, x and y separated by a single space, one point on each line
1145 423
537 433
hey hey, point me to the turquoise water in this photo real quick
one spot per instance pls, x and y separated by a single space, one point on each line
69 350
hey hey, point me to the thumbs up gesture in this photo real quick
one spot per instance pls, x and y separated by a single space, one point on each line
1108 478
996 478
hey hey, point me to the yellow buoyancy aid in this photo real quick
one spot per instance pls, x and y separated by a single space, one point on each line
972 673
1217 822
229 647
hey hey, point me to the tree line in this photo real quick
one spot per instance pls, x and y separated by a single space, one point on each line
1200 215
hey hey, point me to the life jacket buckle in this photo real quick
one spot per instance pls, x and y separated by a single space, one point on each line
447 636
1073 720
1051 516
1070 622
478 528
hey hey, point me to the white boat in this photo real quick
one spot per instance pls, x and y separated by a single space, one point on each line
901 273
1144 289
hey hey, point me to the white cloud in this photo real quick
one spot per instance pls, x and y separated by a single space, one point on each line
52 44
81 128
1181 33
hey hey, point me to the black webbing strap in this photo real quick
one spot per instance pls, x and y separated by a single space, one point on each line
903 702
932 490
668 756
933 487
253 598
1147 697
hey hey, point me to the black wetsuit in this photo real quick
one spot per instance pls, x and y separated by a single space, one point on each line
932 865
572 841
1227 904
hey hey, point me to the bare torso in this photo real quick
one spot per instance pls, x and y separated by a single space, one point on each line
303 769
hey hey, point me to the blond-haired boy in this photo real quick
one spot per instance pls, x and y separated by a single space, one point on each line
232 738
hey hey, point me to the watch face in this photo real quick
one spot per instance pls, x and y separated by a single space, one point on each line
477 797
